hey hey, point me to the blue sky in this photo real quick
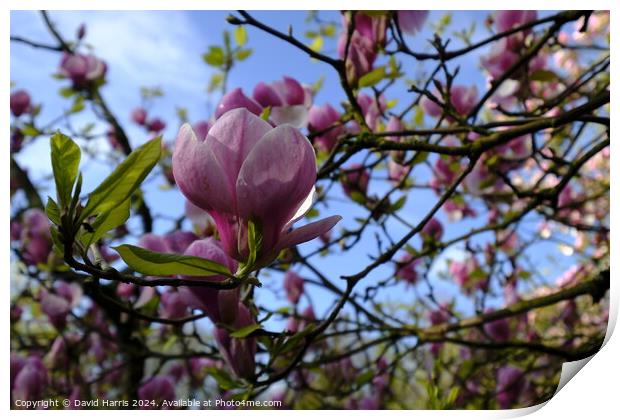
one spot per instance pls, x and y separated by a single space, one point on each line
163 48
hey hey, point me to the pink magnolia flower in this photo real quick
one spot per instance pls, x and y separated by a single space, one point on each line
397 172
498 330
139 115
219 305
466 275
199 218
158 388
155 125
288 99
201 128
173 304
372 109
411 21
433 230
57 304
320 118
237 99
462 98
368 36
175 242
238 352
82 69
406 268
35 237
509 19
355 180
306 317
499 59
294 286
511 383
246 170
19 102
30 379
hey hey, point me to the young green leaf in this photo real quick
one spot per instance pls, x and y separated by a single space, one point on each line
124 180
245 331
52 211
372 78
106 222
158 264
65 162
241 36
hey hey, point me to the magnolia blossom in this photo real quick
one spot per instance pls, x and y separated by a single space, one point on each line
58 303
355 180
294 286
511 383
34 235
288 99
158 388
411 21
19 102
139 115
247 171
320 119
219 305
29 378
406 268
236 99
432 231
82 69
466 274
238 352
498 330
462 98
367 37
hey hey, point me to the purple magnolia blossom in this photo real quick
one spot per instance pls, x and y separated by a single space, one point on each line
433 230
58 303
498 330
411 21
511 383
82 69
173 304
368 36
406 268
246 170
506 20
29 378
155 125
158 388
139 116
238 352
219 305
397 172
306 317
355 180
466 275
288 99
175 242
35 236
320 118
294 286
236 99
201 128
20 102
462 98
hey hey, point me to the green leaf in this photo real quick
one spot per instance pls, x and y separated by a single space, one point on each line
106 222
78 105
398 204
65 162
372 78
124 180
317 44
215 82
29 130
158 264
223 378
543 75
214 56
266 113
255 239
241 55
52 211
245 331
241 36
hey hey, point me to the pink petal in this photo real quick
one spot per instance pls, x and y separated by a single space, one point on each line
308 232
275 179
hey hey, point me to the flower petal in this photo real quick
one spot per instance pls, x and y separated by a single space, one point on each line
308 232
275 180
